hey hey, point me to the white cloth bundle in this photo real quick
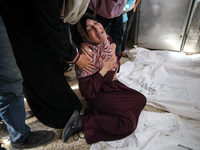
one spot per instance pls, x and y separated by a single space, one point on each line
74 10
169 80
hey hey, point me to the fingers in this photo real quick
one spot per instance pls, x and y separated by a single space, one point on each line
110 61
114 78
88 58
89 65
105 58
115 75
85 70
113 47
109 64
87 52
89 68
113 59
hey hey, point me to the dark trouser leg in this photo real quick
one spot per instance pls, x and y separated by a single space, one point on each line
128 28
12 109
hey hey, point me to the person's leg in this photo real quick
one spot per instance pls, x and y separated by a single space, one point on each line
119 48
12 109
107 29
129 23
106 127
128 27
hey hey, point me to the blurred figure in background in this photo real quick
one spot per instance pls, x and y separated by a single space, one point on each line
129 10
108 13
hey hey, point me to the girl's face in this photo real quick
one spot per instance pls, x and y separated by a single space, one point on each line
95 31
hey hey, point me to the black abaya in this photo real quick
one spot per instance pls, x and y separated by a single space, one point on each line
39 43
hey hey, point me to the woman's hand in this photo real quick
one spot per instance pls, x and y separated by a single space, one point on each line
85 50
113 47
107 64
124 9
115 75
134 8
85 63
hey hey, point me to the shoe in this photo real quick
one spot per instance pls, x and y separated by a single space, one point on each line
123 54
35 139
72 127
3 130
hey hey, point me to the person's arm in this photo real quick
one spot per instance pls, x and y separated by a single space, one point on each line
128 4
89 86
85 63
136 4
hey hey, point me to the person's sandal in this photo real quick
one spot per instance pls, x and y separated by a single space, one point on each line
123 54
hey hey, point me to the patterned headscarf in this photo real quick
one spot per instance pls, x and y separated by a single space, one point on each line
99 50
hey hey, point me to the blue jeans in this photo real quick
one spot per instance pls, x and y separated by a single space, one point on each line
12 109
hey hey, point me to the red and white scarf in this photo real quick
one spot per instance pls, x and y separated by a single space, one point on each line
99 50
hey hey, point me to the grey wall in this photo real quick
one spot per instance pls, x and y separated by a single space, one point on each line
167 25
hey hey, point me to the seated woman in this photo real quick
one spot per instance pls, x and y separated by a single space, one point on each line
113 109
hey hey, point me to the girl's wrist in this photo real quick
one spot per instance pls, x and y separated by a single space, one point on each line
103 72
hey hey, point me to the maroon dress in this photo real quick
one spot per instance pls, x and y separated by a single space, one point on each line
112 110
